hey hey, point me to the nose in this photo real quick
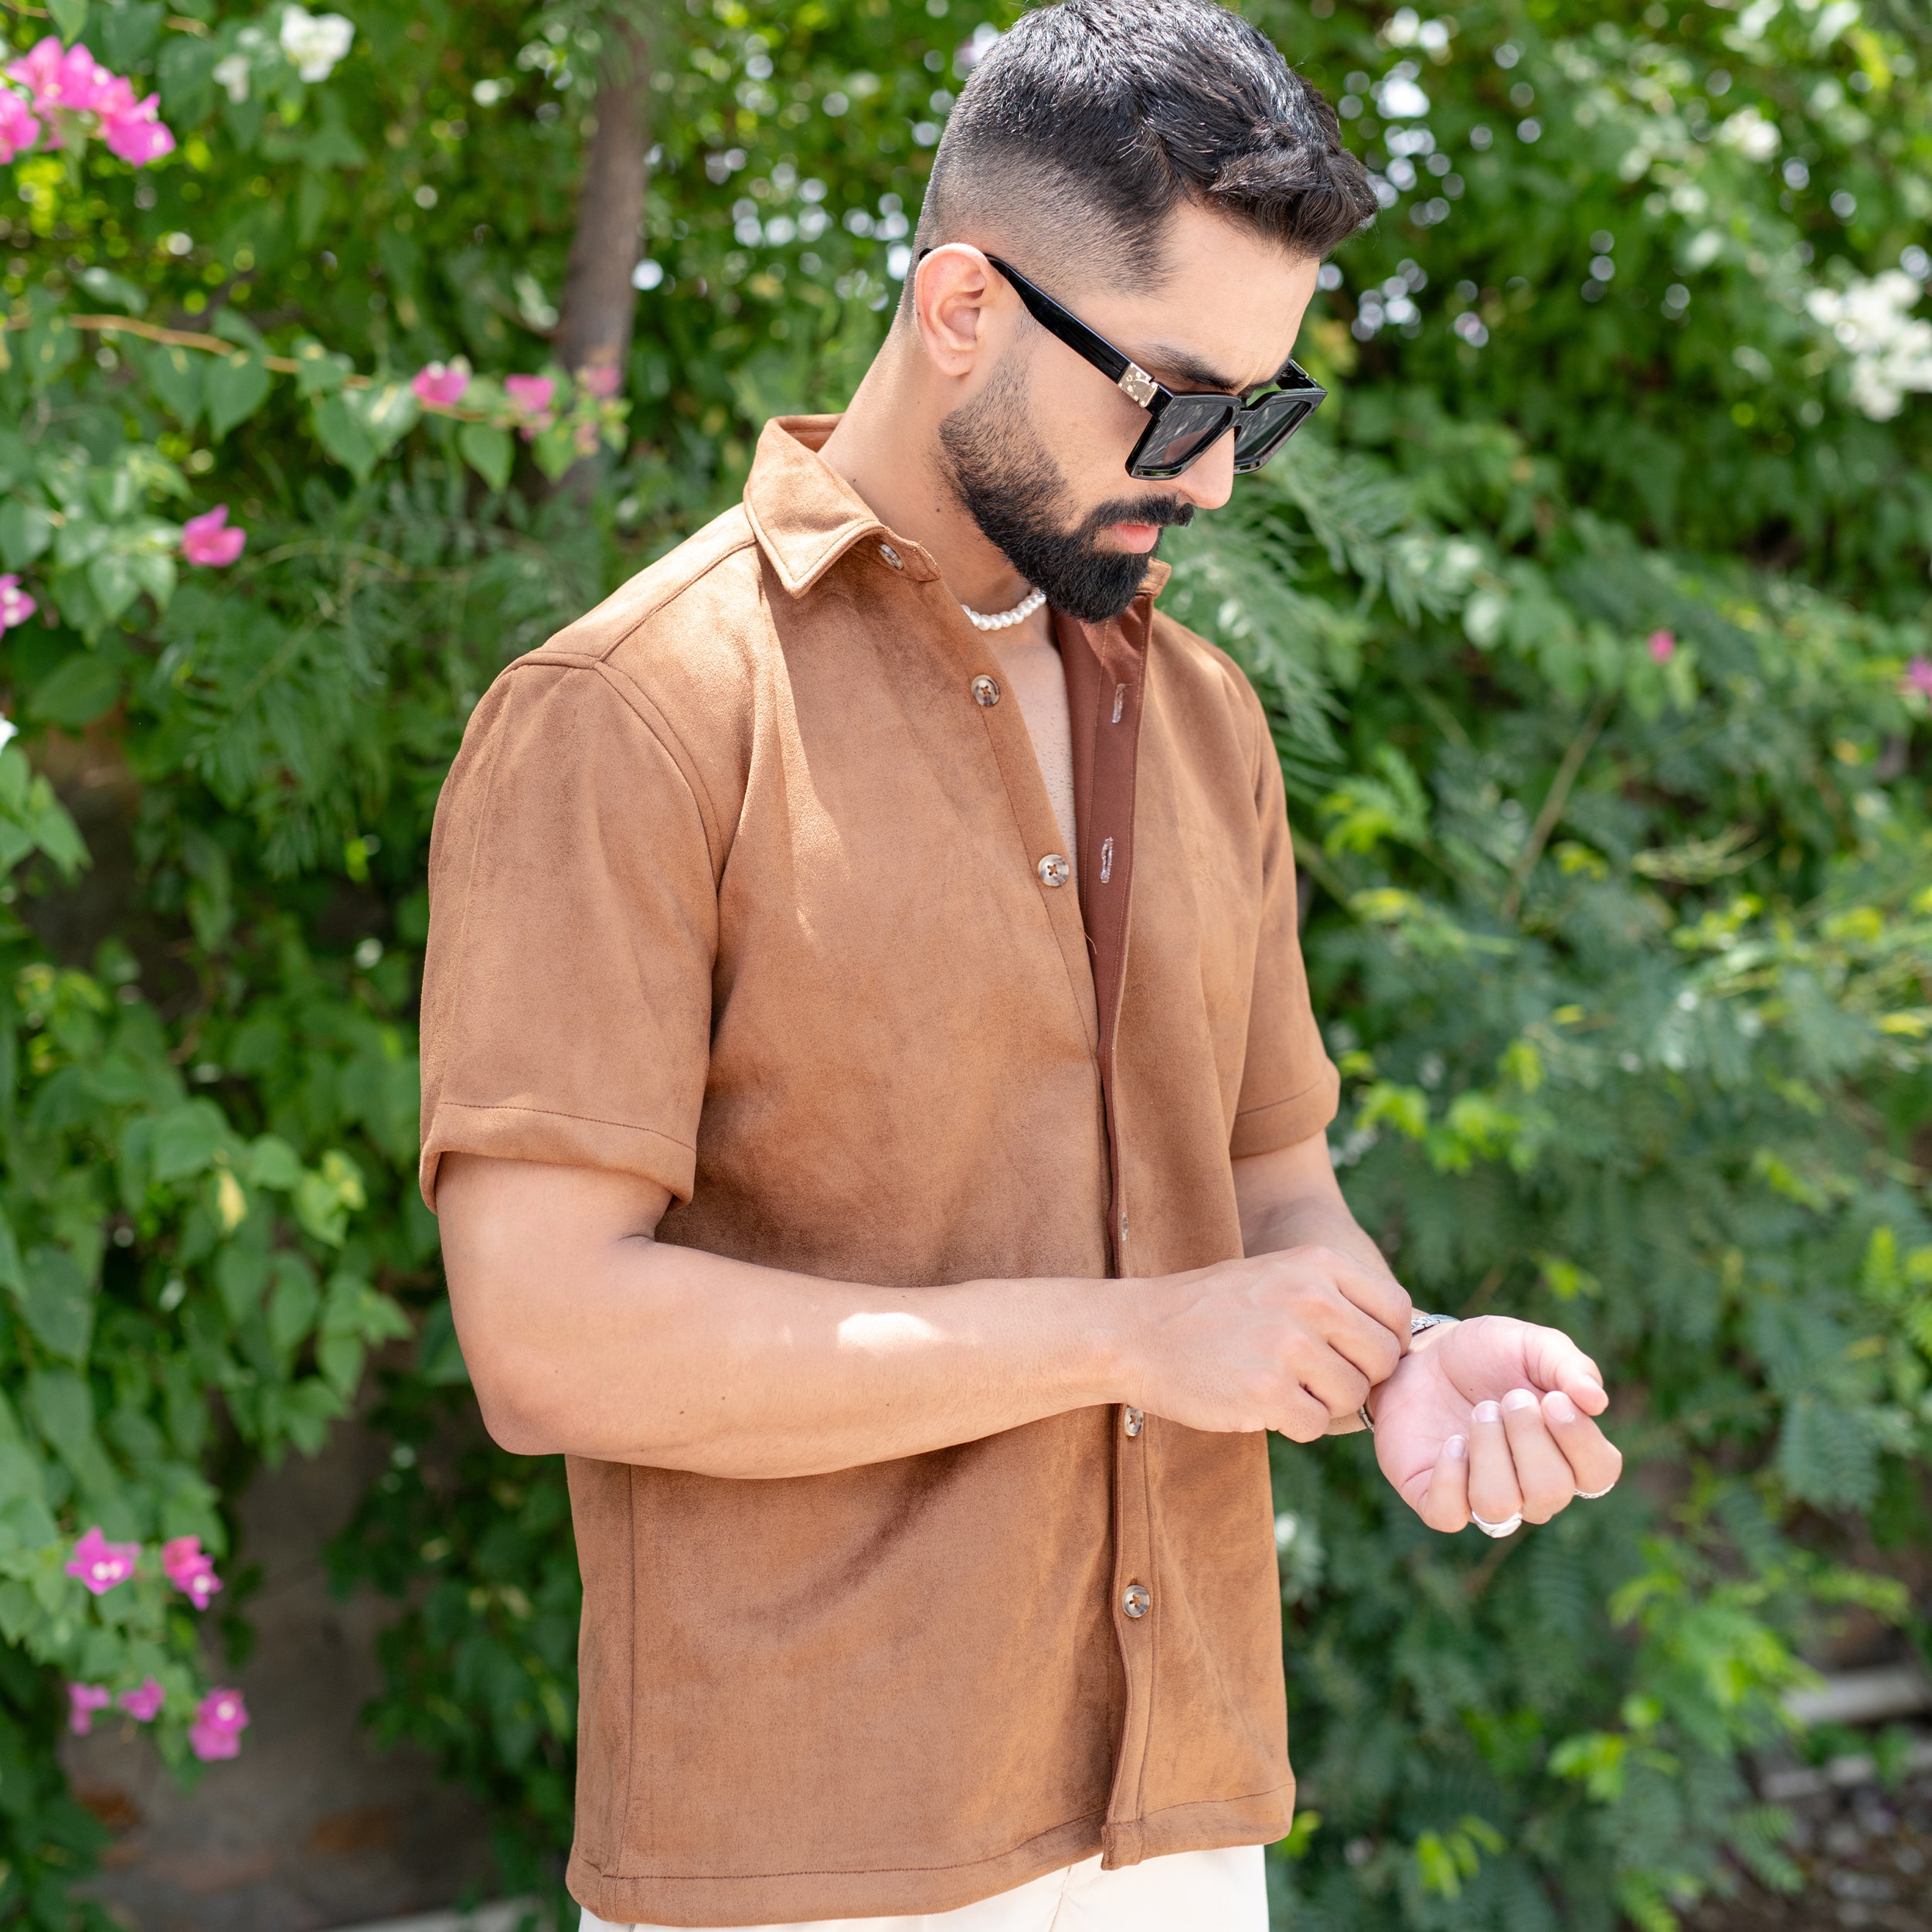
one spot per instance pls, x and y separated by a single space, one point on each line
1208 481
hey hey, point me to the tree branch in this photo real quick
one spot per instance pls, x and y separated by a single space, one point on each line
593 333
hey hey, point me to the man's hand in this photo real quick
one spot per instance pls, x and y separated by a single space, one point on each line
1286 1341
1490 1417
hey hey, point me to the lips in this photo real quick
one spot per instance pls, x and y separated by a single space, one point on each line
1136 536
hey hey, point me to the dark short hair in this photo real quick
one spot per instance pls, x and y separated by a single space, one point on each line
1086 125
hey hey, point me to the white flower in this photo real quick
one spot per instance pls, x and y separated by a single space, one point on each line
1890 348
232 76
9 732
1750 134
315 42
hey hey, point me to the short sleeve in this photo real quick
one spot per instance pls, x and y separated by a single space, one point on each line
1289 1086
566 985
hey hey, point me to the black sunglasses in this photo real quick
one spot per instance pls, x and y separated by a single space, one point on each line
1183 426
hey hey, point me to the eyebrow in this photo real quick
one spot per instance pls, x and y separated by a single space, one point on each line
1189 368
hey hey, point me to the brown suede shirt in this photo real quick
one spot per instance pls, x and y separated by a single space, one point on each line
747 882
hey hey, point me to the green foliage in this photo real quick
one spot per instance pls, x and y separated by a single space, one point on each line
1585 616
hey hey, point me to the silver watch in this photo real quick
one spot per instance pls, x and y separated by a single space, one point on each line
1418 1321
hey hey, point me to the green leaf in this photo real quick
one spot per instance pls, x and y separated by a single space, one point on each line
186 1140
59 1404
341 433
81 689
319 371
25 530
57 1304
237 386
69 18
175 376
12 1278
127 32
489 450
111 577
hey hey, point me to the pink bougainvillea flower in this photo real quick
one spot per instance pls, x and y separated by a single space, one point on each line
133 129
441 384
83 1701
601 378
189 1569
65 81
1663 646
220 1718
99 1564
1918 673
531 397
15 606
144 1702
207 539
18 130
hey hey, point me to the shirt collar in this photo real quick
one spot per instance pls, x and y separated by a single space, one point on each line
806 516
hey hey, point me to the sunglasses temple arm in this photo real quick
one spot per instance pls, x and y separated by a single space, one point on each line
1069 328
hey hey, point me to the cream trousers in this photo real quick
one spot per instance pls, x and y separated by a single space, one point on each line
1190 1892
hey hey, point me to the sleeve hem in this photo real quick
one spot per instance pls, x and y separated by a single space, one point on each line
515 1133
1262 1129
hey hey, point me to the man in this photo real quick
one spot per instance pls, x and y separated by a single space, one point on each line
871 1096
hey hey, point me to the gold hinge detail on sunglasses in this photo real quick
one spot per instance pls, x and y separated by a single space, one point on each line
1138 385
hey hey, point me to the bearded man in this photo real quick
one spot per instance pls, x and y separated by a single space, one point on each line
871 1095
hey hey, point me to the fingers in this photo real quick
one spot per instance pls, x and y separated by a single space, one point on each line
1356 1336
1376 1292
1595 1461
1544 1479
1494 1493
1445 1502
1555 1361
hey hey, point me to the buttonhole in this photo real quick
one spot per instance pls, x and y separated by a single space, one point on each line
1107 860
1120 701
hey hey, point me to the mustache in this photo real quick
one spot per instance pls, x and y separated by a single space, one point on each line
1163 510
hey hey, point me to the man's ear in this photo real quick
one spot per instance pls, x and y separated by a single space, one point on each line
955 294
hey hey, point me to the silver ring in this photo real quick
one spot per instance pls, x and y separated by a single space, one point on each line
1507 1527
1593 1495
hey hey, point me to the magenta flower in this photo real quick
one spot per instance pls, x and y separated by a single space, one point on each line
145 1702
189 1569
601 378
99 1564
220 1718
133 129
63 82
18 130
1663 646
15 606
1918 673
83 1701
204 538
530 396
441 384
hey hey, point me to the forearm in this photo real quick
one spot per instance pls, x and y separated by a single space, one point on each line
685 1360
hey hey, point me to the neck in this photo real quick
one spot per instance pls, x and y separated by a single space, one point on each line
886 447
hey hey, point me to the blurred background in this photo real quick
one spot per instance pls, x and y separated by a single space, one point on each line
1592 615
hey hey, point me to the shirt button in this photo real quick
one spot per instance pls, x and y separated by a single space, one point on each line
985 690
1053 870
892 556
1135 1601
1132 1421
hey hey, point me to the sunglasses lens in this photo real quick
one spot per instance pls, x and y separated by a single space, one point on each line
1187 428
1269 423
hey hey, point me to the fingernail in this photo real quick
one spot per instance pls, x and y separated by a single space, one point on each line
1559 1408
1486 1412
1456 1449
1519 1399
1592 1387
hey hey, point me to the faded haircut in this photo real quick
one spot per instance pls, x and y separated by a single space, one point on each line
1084 127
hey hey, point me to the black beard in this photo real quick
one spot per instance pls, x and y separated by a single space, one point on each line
1007 481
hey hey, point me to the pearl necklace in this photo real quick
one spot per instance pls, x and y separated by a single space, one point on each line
1000 620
